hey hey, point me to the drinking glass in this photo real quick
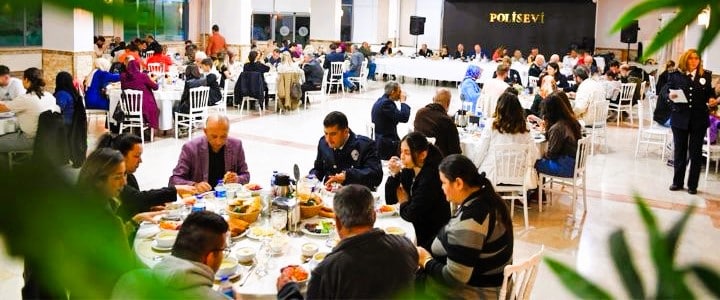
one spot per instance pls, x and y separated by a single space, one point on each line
262 258
278 219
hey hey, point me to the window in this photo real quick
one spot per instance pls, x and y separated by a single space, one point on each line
285 26
166 20
21 24
346 20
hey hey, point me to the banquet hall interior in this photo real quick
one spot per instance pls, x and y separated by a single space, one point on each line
54 37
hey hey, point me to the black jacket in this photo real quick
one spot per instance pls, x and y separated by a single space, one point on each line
135 201
694 114
357 158
433 121
78 134
386 117
215 92
426 207
251 84
663 106
372 265
313 73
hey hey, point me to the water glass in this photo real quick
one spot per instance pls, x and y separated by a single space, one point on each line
263 258
278 219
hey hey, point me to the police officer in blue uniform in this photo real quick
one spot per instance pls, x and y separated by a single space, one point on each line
345 157
386 116
689 120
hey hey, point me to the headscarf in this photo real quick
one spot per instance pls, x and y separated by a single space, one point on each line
133 70
473 72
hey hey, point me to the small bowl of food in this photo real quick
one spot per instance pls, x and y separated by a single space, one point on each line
297 273
165 239
245 254
228 267
395 230
309 249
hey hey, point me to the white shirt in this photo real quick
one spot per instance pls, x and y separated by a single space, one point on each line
27 109
569 62
492 89
12 90
589 91
485 157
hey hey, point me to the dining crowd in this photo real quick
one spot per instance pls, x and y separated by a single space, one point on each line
458 253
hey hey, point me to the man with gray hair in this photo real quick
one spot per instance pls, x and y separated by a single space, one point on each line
433 121
589 92
367 263
210 158
356 60
386 116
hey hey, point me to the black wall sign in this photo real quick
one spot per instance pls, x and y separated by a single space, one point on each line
553 26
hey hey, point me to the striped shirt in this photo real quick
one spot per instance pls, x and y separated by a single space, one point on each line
472 250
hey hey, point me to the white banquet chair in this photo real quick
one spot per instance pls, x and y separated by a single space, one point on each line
532 81
321 94
510 169
519 278
650 133
131 105
198 111
598 129
361 80
156 68
576 182
624 104
336 76
711 152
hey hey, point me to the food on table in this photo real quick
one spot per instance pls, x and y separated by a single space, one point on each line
260 231
323 227
253 187
386 208
237 226
189 199
170 225
326 212
295 272
395 230
246 206
318 257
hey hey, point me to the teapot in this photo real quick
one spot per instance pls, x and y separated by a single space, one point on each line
283 186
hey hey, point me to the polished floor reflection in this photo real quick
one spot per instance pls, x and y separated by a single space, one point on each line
276 142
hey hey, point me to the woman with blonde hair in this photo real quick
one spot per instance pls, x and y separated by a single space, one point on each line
689 119
547 86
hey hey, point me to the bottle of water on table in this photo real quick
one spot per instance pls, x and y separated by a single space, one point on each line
220 196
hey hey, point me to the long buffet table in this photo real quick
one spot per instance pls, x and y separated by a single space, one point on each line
447 70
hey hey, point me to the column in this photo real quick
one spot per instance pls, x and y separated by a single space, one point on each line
67 42
235 21
325 18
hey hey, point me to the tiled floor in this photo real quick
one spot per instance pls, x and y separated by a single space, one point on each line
276 142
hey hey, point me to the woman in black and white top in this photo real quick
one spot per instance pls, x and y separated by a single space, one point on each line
471 251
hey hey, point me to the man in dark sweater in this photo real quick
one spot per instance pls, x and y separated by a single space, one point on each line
433 121
367 263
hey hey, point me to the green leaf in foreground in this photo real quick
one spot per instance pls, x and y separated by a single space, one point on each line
624 264
709 278
578 285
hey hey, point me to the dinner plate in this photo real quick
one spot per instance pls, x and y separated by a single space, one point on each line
232 277
253 236
310 233
155 247
239 236
7 114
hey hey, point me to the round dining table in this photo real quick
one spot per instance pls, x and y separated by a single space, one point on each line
8 123
247 281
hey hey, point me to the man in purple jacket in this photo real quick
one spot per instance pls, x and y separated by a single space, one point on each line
207 159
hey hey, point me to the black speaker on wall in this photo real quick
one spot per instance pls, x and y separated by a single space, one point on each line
417 25
629 33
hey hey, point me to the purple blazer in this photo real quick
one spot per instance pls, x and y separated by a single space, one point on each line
192 166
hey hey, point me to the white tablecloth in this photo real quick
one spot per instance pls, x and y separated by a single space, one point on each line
8 125
448 70
165 98
262 287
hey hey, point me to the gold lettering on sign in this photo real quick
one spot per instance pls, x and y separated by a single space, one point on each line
515 17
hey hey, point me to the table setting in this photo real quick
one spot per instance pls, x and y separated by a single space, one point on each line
270 233
8 123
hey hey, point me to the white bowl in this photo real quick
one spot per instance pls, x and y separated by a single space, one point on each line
227 268
245 254
309 249
166 239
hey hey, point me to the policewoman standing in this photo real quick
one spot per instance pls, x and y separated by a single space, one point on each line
689 120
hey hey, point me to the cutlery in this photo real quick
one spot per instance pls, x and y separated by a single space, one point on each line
248 273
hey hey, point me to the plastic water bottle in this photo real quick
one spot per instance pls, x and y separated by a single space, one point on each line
220 197
199 204
226 287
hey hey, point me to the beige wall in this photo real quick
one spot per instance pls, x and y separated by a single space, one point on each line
608 12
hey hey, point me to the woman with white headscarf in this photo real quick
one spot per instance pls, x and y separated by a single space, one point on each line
95 95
